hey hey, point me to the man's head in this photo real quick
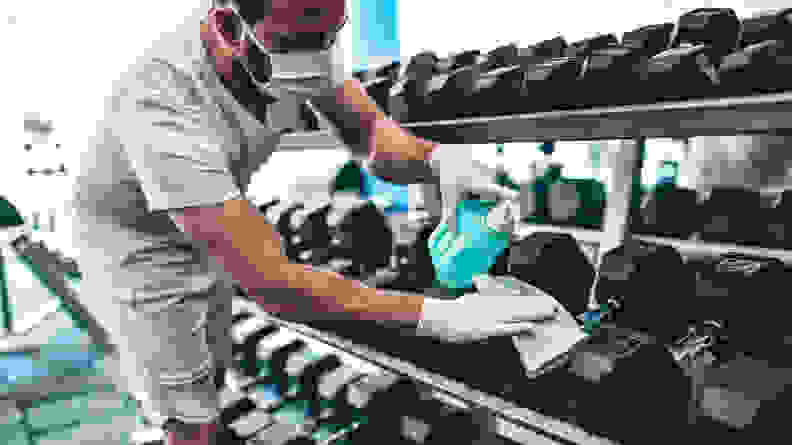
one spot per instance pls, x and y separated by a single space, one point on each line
286 46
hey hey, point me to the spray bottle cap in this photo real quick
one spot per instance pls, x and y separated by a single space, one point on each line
501 218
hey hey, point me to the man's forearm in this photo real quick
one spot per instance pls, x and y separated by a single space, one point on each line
364 128
314 294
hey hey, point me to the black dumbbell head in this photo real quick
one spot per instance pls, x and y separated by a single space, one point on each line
766 25
716 27
649 40
556 264
586 46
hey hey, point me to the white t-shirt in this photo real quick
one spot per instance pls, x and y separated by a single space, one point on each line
172 137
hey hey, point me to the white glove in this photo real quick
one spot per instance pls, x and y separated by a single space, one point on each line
456 171
502 307
460 176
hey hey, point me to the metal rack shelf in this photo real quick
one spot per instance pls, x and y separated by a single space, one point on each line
516 423
703 248
722 116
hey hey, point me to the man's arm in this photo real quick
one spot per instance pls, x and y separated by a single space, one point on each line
248 248
365 128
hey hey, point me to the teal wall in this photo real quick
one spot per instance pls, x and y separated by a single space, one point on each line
375 27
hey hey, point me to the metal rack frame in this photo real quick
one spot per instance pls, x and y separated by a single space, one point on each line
632 125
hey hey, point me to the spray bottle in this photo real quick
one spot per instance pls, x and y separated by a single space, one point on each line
485 229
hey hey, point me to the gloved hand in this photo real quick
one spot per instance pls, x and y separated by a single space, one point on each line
501 307
453 168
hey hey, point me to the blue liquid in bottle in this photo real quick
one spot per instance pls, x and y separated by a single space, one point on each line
472 251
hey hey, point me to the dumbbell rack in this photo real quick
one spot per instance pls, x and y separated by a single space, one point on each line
632 125
514 423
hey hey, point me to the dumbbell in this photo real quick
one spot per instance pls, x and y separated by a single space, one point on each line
314 233
379 90
491 87
408 94
414 270
733 215
537 258
363 235
501 57
47 171
288 231
551 84
766 25
308 374
383 400
761 65
652 284
247 331
606 384
304 232
669 211
265 208
308 118
364 76
778 222
688 69
616 64
734 287
587 46
390 70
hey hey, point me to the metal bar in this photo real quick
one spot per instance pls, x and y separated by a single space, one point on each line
724 116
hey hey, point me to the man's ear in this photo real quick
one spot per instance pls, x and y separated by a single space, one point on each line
220 37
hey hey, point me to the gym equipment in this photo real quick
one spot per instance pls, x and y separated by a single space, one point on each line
501 57
315 234
379 90
649 40
363 235
549 85
763 67
265 208
585 47
308 381
408 94
565 201
778 222
669 211
766 25
383 399
247 333
637 275
489 87
688 69
287 231
537 260
308 118
413 271
732 287
616 64
390 70
733 215
602 386
47 171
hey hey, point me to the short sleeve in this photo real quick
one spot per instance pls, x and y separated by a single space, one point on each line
170 138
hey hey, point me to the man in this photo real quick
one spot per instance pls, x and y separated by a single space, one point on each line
163 227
